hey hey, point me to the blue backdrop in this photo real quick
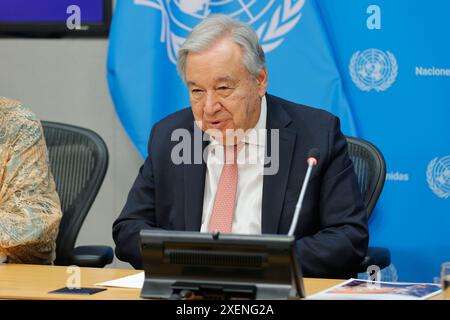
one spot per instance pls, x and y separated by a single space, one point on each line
383 67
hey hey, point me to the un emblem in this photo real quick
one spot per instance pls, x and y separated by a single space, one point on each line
373 69
438 176
272 19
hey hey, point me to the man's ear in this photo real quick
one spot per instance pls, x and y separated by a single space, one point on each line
261 80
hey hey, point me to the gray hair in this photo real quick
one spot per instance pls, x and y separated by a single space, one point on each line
216 27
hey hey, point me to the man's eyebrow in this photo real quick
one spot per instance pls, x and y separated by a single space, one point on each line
217 80
224 79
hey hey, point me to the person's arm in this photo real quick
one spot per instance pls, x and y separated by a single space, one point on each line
137 214
339 247
30 211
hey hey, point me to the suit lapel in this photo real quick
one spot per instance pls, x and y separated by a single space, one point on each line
194 183
274 186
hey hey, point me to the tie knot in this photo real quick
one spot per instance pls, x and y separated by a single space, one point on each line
231 152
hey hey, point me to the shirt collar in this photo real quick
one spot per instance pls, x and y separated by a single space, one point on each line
257 135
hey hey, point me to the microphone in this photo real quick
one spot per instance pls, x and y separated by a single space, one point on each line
312 159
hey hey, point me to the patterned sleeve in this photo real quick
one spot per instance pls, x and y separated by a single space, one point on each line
30 210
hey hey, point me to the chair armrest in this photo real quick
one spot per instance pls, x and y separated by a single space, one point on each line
378 256
92 256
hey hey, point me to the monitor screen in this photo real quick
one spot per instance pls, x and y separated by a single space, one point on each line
55 17
227 266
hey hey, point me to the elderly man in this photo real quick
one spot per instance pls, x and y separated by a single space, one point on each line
223 66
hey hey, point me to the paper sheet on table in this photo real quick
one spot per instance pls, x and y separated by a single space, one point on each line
135 281
358 289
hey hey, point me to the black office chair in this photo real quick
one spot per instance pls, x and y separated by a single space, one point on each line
370 169
78 160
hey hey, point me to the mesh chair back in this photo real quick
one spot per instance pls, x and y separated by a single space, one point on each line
78 160
370 169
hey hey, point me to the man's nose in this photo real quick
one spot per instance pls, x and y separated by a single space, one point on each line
212 103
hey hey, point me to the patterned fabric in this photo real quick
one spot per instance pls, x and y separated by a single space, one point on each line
225 200
30 210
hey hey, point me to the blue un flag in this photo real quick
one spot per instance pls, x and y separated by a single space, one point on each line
146 35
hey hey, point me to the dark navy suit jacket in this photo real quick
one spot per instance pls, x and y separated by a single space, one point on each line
332 234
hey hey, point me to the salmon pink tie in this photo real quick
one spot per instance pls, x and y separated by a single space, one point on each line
225 199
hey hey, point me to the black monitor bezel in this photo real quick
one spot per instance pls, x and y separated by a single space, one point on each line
160 274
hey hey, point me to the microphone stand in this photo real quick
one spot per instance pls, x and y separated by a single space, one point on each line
311 163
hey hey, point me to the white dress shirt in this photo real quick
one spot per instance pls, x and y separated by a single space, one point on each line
247 215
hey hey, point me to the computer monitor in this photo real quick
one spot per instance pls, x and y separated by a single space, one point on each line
220 266
49 18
